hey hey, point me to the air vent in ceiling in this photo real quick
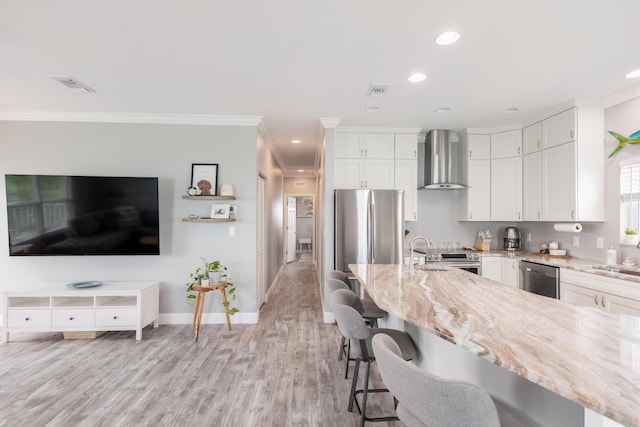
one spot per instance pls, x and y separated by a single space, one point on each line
377 89
74 84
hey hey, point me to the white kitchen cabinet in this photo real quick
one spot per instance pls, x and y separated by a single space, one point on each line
510 272
532 186
606 293
571 174
559 129
474 202
506 189
478 147
406 178
506 144
559 183
406 146
364 173
532 138
367 145
492 268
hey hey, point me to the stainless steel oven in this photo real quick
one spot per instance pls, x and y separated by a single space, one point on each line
468 261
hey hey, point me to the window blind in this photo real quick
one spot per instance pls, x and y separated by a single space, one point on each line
630 182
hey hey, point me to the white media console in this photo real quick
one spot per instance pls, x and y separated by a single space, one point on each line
52 307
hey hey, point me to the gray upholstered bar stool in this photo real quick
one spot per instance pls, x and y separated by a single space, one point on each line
354 328
371 311
427 400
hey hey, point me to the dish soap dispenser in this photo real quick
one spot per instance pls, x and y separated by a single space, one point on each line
611 256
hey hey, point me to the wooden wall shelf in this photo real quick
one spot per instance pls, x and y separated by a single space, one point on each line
209 197
208 219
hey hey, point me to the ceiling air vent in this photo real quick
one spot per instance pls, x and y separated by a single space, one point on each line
377 89
74 84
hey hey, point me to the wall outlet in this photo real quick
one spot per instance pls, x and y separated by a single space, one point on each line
232 231
599 243
576 240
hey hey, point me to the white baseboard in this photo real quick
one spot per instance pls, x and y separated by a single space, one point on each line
207 318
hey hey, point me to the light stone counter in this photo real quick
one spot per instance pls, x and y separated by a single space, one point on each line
587 356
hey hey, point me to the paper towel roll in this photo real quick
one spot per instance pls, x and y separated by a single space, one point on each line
568 227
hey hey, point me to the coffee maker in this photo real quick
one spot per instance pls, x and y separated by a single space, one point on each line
511 239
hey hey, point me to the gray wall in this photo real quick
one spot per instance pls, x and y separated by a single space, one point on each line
166 151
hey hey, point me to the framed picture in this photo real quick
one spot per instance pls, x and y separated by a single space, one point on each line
304 207
204 178
220 211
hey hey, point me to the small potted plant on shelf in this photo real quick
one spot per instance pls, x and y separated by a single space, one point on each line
213 272
631 235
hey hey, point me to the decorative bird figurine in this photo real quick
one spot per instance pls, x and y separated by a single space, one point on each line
634 138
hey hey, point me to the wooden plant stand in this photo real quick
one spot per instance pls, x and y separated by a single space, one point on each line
201 291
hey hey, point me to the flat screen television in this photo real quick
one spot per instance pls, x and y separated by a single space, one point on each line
82 215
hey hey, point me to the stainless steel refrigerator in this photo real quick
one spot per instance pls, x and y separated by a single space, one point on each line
369 227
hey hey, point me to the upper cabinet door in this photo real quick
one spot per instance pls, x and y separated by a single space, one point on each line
478 147
348 173
559 183
349 145
532 138
559 129
406 146
506 144
379 145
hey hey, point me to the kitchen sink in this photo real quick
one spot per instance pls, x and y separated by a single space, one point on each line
614 269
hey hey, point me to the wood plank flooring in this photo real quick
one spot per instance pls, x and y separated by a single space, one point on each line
281 372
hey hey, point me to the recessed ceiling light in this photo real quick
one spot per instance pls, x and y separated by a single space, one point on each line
447 38
417 77
372 109
296 141
443 109
510 110
633 74
300 170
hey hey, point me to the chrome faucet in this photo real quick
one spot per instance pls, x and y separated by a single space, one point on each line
411 247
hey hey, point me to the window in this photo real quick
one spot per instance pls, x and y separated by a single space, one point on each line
36 206
629 200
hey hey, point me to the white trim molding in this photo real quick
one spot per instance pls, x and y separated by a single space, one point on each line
180 119
377 130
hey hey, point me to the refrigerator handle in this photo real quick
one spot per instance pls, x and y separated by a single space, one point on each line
372 227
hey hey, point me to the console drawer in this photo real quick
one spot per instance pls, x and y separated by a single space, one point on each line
29 318
116 316
73 318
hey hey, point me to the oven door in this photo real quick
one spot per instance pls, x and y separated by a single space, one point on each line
471 267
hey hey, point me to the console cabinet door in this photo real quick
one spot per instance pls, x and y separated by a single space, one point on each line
577 295
532 186
532 138
510 272
406 146
559 129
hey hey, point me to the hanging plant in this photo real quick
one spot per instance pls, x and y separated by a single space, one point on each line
634 138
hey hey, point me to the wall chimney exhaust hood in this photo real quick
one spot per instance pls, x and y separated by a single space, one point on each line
437 162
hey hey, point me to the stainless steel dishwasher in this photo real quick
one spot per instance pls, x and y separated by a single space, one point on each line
540 279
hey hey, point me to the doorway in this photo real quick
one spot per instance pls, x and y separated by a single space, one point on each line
300 228
291 229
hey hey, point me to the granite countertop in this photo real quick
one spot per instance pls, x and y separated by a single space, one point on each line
586 355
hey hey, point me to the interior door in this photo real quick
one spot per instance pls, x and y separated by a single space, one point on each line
291 229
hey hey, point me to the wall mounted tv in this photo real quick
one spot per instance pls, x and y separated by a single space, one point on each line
82 215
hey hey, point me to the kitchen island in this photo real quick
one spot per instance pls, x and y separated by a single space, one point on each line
588 357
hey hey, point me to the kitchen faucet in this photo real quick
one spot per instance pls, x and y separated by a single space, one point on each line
411 247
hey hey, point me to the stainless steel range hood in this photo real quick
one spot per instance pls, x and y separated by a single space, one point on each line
437 163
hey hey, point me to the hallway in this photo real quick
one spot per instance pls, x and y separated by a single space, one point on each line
281 372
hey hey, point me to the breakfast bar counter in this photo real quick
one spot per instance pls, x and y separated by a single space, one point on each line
587 356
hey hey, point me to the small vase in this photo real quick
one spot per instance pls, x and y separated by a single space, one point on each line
214 277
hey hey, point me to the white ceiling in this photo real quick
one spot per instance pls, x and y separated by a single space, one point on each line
294 62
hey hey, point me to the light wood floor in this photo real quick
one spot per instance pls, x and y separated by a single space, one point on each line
281 372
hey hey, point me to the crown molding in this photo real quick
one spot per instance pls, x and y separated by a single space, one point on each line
353 129
266 135
330 122
182 119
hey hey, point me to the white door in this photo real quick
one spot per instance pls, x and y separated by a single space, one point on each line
260 261
291 229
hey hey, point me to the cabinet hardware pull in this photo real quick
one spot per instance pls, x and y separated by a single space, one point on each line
539 216
415 154
361 153
470 215
538 143
366 152
573 214
470 153
26 319
115 317
596 300
602 303
518 150
518 216
571 134
71 318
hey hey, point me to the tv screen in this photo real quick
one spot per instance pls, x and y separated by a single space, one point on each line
82 215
